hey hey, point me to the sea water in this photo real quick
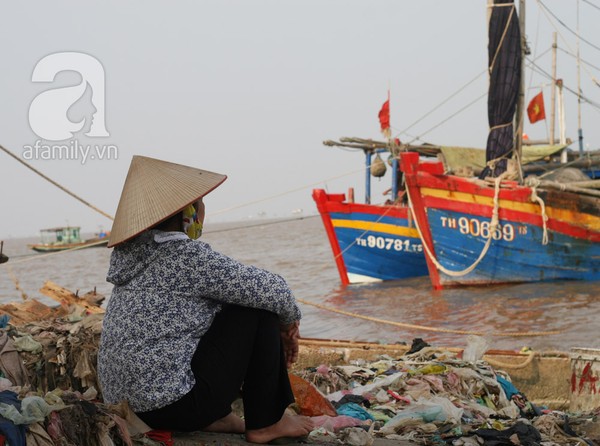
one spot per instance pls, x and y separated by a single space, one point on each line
542 316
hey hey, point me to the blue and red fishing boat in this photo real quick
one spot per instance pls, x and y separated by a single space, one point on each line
502 227
371 242
541 234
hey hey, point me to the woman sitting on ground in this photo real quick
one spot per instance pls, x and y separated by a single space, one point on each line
188 329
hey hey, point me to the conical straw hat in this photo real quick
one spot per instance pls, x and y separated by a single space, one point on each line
154 190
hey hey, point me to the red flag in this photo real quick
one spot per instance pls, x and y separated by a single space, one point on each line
535 109
384 118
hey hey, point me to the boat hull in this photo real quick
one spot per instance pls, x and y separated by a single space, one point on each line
454 216
370 243
93 243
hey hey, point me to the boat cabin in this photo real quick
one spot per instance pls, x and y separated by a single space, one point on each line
61 235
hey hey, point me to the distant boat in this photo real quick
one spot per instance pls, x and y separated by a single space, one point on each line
67 237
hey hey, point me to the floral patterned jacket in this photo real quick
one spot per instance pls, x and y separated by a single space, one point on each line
167 292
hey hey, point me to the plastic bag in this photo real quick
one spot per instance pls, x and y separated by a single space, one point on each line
476 347
309 400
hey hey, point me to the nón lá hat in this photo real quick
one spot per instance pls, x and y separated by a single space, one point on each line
154 190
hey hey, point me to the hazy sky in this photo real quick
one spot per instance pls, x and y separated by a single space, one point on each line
252 88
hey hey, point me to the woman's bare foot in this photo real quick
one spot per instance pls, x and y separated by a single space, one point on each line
288 426
229 424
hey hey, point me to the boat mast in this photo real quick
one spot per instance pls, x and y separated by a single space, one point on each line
553 90
557 86
562 139
521 99
368 155
579 130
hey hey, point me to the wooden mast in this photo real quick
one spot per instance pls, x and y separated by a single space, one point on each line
553 90
579 129
518 137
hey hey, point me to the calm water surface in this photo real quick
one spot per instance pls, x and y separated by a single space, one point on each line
299 251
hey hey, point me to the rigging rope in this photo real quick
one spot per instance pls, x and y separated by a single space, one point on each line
442 103
287 192
575 33
584 98
64 189
574 56
416 138
110 217
546 11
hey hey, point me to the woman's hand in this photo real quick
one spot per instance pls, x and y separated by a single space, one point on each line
290 334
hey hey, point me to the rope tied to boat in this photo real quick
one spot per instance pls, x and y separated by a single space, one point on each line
493 227
533 183
425 328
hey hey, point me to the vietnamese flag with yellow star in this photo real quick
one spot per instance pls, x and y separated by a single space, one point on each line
535 109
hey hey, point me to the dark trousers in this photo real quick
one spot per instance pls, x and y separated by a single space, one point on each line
241 351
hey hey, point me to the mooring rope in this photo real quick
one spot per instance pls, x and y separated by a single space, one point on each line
425 328
534 183
506 365
531 355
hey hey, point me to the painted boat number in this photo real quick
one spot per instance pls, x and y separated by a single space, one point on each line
389 243
477 228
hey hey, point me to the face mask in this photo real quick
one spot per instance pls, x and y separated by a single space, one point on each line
191 224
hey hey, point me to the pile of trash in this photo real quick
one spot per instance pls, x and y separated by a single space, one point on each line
432 396
49 393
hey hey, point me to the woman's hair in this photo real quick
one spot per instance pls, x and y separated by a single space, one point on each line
174 222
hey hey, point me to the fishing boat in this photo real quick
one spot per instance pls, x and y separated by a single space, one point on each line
371 242
376 242
67 237
503 226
